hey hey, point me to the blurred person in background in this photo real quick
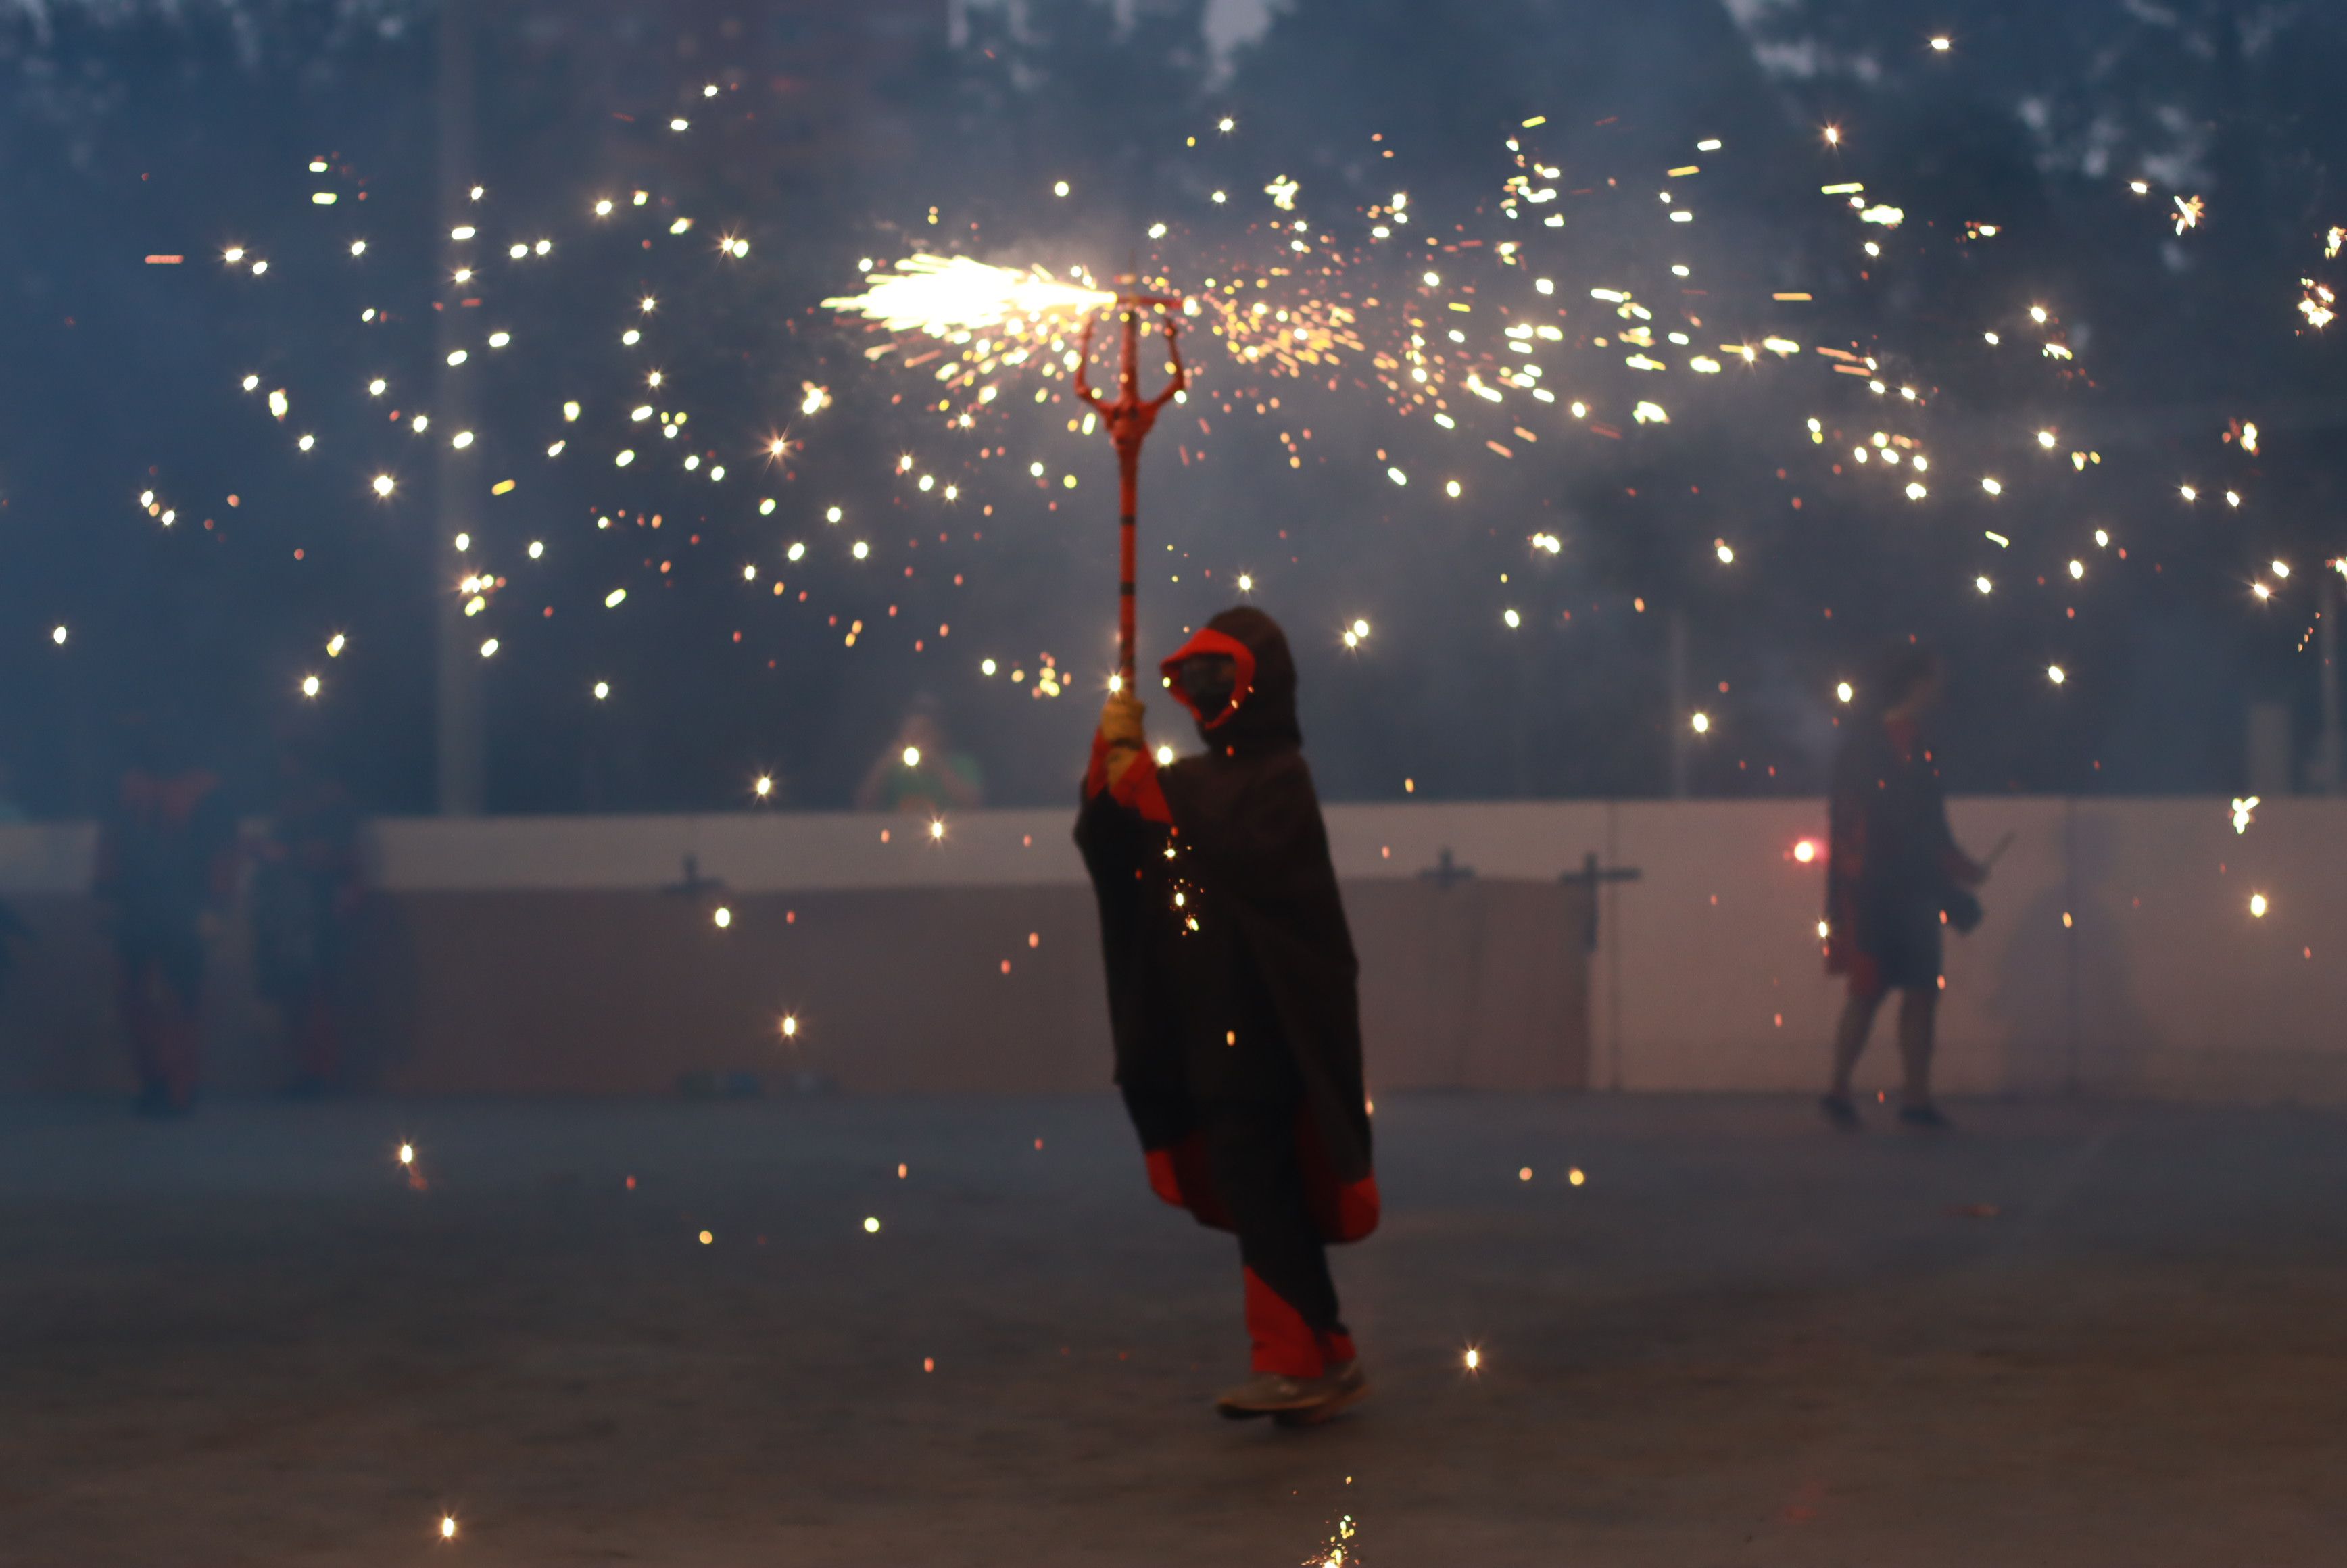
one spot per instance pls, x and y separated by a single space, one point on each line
305 895
12 810
1233 998
1893 870
13 928
920 772
166 869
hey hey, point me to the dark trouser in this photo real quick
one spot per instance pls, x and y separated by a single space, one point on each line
1291 1302
304 998
162 986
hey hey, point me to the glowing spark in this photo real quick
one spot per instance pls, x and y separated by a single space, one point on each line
383 484
2188 212
447 1527
2244 806
723 916
1702 724
1805 851
310 685
1474 1359
941 296
871 1225
2054 673
2258 906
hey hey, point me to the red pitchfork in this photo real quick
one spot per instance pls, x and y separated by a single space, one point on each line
1129 420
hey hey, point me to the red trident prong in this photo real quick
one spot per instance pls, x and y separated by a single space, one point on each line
1129 420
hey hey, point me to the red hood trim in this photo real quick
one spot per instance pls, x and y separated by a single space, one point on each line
1209 641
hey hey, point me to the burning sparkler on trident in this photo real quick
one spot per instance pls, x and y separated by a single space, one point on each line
1129 418
952 298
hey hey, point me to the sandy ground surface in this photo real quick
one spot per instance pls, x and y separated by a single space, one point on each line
246 1339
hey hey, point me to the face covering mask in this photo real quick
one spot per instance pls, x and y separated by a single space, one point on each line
1210 681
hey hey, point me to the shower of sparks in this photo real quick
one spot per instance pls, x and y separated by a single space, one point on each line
1500 338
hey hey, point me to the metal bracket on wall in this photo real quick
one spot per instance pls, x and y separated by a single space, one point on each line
1589 879
1446 872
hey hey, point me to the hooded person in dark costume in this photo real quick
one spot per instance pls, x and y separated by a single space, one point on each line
1232 998
1894 876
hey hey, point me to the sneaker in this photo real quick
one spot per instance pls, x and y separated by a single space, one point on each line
1929 1118
1269 1394
1343 1385
1840 1111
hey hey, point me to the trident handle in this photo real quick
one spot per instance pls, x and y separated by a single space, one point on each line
1129 420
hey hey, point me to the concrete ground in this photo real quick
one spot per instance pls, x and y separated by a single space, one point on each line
2069 1334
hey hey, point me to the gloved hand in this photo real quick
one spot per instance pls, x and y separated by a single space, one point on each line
1119 721
1122 733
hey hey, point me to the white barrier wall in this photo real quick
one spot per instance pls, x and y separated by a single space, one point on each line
2119 956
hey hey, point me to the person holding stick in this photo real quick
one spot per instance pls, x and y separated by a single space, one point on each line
1894 876
1233 998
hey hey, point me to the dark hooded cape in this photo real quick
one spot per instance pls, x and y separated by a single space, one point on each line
1219 914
